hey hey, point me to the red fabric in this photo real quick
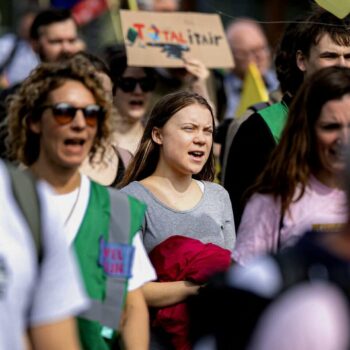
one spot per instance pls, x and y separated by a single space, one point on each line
182 258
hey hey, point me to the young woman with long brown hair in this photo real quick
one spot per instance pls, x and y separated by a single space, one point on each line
187 215
301 188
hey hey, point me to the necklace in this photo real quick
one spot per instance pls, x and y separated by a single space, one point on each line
73 207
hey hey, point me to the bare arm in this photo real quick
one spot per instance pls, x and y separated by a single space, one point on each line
61 335
162 294
135 323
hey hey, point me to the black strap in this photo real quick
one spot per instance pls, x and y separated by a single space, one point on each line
25 193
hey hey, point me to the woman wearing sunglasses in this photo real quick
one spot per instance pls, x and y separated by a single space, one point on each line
59 116
132 90
189 229
132 87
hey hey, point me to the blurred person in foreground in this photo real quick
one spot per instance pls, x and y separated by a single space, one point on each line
299 297
40 293
60 116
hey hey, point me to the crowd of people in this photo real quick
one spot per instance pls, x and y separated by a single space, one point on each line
115 230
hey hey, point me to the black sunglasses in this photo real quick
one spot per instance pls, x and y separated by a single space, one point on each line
64 113
129 84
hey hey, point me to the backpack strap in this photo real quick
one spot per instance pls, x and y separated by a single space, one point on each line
24 190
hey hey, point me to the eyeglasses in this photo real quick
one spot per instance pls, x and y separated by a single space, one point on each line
64 113
129 84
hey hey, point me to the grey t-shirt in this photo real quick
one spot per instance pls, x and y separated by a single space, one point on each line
210 221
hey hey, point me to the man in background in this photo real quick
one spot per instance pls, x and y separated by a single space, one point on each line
17 57
248 44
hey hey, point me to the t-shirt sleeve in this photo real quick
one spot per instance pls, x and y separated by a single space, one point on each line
258 230
58 293
142 269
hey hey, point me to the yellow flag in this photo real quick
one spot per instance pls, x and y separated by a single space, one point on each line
133 5
339 8
253 91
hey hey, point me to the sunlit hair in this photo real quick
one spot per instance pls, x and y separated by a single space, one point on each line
147 156
296 158
22 144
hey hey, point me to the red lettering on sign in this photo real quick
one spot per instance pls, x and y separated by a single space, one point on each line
139 27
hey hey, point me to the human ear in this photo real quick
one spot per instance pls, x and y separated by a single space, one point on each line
301 60
35 45
157 136
34 126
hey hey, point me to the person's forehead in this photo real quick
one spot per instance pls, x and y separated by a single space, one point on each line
193 113
326 43
134 72
62 28
246 35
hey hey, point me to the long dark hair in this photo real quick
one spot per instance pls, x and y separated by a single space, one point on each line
295 158
146 158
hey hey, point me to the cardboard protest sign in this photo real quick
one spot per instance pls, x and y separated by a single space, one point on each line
155 39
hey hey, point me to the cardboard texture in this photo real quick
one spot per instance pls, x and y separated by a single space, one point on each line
155 39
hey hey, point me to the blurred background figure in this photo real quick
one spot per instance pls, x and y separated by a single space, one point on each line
132 92
17 57
131 89
159 5
54 35
248 44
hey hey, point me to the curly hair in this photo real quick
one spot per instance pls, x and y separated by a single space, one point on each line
22 144
295 158
147 156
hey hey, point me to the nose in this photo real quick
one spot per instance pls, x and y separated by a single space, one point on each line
343 137
138 89
342 62
78 121
68 47
199 138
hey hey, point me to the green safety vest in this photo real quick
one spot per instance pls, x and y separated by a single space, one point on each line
275 116
104 252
